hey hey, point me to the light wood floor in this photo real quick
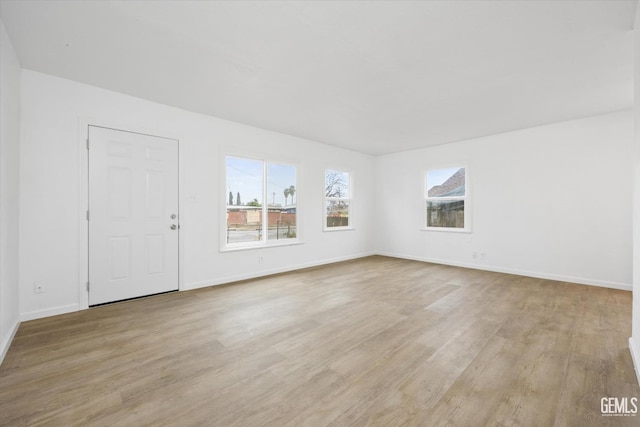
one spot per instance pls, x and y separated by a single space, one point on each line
376 341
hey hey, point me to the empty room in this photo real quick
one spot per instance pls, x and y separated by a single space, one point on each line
345 213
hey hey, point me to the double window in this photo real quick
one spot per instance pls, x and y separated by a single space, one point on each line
261 202
446 199
337 196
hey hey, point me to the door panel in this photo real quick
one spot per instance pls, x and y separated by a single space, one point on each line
155 194
119 187
154 251
133 197
120 257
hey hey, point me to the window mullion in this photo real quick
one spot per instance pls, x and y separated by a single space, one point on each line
265 210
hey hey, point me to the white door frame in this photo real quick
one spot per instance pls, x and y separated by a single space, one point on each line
83 200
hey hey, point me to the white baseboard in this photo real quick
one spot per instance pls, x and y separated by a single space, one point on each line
54 311
538 275
6 343
634 357
235 278
267 272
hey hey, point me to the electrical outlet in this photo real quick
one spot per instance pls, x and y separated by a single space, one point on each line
474 255
260 259
38 288
483 256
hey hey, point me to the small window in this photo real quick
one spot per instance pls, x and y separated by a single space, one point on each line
338 195
446 199
261 202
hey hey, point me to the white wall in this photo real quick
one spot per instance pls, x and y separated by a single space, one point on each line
634 342
551 201
50 203
9 175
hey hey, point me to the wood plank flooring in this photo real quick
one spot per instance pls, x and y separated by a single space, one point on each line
375 341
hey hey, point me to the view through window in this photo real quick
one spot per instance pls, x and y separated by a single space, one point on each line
446 197
337 199
261 201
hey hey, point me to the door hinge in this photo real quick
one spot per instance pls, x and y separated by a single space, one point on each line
87 143
87 215
87 286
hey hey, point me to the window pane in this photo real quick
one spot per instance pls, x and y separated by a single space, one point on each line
244 224
283 199
244 200
336 184
337 213
446 182
445 213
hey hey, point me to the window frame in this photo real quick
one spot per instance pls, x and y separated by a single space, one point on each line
326 199
466 199
264 242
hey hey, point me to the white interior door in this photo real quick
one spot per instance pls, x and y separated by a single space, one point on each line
133 215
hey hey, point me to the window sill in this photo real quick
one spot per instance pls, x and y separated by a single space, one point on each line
447 230
330 229
252 246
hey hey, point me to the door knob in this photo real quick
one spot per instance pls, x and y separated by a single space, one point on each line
173 226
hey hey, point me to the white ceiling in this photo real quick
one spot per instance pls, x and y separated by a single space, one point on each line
376 77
